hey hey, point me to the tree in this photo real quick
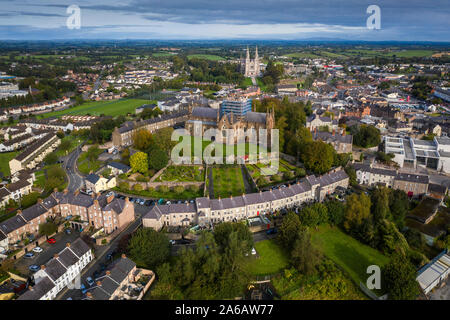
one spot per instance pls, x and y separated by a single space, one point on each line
149 248
51 158
139 162
336 212
47 228
163 139
287 234
65 145
142 139
366 136
380 204
304 256
223 231
357 212
158 159
399 277
318 156
314 215
60 134
29 199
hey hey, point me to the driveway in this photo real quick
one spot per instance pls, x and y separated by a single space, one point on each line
39 259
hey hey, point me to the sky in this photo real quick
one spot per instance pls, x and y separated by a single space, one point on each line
401 20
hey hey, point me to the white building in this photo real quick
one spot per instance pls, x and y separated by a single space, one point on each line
59 272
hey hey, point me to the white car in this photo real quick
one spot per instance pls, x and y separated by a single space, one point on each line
38 250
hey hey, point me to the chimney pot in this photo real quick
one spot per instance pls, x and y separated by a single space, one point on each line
68 244
55 255
108 272
42 267
99 283
40 200
123 256
31 288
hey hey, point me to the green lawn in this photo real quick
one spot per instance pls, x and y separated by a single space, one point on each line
206 57
162 54
85 166
109 108
4 162
302 55
74 142
156 194
271 259
347 252
247 82
228 181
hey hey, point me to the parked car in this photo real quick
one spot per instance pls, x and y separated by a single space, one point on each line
168 202
29 255
102 267
90 281
51 240
33 268
253 251
96 274
172 242
83 288
38 250
272 231
68 231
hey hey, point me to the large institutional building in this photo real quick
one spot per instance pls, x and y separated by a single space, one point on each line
206 211
251 67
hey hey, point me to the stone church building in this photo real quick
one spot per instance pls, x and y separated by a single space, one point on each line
251 67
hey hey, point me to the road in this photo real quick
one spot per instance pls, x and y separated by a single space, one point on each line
70 166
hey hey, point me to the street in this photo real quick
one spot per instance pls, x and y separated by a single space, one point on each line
70 162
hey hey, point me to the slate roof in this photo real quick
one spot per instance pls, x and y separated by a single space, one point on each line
54 269
67 258
205 112
33 212
93 178
255 117
79 247
39 290
412 178
12 224
119 166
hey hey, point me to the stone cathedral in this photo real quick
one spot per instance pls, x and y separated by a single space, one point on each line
251 67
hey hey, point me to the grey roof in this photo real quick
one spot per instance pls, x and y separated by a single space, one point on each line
4 192
93 178
55 269
255 117
202 202
125 265
67 258
99 294
39 290
79 247
205 112
119 166
412 178
227 203
330 137
12 224
33 212
116 205
443 140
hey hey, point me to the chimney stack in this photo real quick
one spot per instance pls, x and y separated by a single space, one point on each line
334 132
123 256
55 255
110 198
77 192
66 191
108 272
68 244
99 283
40 200
55 189
30 288
89 295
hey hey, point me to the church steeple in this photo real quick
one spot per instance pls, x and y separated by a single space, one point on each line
256 55
248 54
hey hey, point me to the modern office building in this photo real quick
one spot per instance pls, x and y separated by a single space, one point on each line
408 152
239 107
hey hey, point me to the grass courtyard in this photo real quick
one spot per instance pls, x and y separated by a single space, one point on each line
227 181
272 259
85 165
5 157
347 252
96 108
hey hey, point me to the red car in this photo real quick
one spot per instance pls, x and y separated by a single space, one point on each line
51 240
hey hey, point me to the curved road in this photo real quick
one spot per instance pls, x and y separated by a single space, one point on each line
70 166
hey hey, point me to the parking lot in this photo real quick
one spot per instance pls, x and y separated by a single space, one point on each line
49 250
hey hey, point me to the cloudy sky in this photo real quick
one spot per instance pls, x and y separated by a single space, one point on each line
408 20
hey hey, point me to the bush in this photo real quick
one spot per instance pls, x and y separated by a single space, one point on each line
151 189
276 178
300 172
288 175
178 189
194 188
124 185
163 189
137 187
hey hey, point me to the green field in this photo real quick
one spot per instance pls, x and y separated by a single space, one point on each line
4 162
347 252
162 54
211 57
271 259
85 166
109 108
227 181
302 55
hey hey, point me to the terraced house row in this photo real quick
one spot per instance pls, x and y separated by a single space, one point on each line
96 210
205 211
